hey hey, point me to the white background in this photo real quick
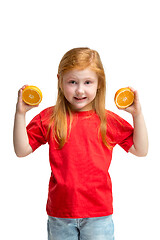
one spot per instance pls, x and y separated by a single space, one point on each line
34 36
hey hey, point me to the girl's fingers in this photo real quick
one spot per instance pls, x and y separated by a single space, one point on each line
135 93
24 86
20 91
19 94
132 89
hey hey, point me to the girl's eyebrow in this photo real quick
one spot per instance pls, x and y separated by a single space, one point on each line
71 76
89 78
77 79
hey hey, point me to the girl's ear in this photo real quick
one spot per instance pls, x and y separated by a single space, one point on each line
98 87
60 82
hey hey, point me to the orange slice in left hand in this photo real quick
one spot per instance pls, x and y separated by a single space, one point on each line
32 95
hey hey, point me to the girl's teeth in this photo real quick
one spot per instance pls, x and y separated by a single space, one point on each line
80 98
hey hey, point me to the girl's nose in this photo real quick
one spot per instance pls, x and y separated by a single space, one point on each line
79 89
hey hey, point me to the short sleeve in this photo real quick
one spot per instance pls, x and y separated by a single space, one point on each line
36 133
120 131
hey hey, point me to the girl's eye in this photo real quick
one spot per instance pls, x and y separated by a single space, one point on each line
87 82
72 82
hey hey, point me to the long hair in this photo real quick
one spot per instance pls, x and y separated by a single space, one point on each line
78 58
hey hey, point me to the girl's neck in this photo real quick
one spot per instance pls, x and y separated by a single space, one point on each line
83 113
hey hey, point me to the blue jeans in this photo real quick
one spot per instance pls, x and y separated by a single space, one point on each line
99 228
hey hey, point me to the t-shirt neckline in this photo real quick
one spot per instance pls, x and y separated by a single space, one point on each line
84 113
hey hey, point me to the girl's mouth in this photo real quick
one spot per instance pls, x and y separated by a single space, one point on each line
79 99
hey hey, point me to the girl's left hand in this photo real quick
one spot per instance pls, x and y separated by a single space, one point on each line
135 108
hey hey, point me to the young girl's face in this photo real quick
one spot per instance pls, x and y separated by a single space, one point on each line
80 88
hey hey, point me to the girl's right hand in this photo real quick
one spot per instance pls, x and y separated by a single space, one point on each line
21 106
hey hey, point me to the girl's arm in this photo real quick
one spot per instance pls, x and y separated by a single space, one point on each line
20 138
140 136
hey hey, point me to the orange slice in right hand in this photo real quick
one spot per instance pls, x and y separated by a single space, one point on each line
124 97
32 95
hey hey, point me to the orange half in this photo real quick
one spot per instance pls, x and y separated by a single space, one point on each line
32 95
124 97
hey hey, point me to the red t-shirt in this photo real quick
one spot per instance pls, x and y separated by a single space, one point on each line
80 185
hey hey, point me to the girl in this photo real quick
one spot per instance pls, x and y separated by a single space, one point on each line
81 135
